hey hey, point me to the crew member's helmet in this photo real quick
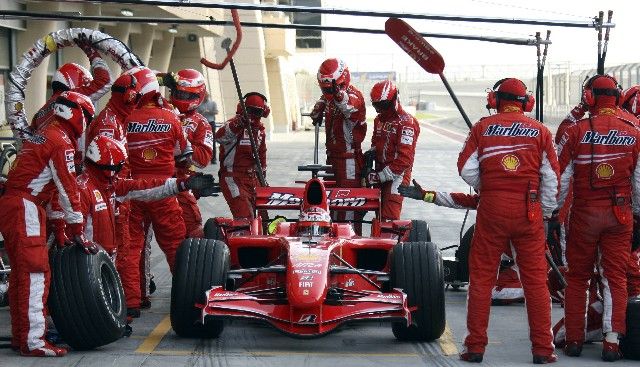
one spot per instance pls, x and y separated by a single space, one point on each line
106 154
601 91
384 96
631 100
75 110
69 77
256 104
146 80
126 87
333 73
190 90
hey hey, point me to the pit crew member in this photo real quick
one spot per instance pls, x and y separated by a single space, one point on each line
394 146
343 108
238 178
599 155
155 140
510 160
44 164
186 96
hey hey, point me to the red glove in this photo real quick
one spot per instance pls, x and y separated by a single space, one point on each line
341 95
60 237
89 247
79 239
578 112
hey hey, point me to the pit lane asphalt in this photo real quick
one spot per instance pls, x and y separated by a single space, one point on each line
153 343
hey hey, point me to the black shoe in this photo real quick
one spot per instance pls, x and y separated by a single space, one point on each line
128 330
610 352
573 349
545 359
133 312
471 357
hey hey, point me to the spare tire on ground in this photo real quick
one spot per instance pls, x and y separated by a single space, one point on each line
86 299
200 264
419 231
416 268
630 345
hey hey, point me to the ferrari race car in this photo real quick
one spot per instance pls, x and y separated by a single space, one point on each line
308 276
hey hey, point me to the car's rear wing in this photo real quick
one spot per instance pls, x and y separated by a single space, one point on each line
290 198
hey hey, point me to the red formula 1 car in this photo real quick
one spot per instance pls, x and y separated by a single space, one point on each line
307 277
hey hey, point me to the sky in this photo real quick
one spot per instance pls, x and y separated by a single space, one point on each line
577 46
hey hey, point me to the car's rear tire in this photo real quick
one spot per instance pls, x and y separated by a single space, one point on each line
212 230
200 264
631 343
419 231
86 299
416 268
462 254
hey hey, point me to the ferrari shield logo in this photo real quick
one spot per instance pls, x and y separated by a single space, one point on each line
510 162
604 171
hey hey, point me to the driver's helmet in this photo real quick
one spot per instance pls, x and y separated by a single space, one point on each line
314 221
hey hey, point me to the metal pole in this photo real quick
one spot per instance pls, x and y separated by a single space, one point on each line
455 100
339 11
17 14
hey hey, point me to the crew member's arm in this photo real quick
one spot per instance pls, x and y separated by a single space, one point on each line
229 133
63 168
182 148
468 162
201 142
101 75
455 200
156 189
549 175
565 161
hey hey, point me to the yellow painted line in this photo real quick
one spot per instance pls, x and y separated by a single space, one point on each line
168 352
447 342
155 337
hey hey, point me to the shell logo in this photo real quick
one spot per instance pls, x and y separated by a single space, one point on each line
604 171
510 162
149 154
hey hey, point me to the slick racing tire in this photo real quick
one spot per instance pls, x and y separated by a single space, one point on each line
630 345
419 232
416 268
200 264
212 230
462 254
86 299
